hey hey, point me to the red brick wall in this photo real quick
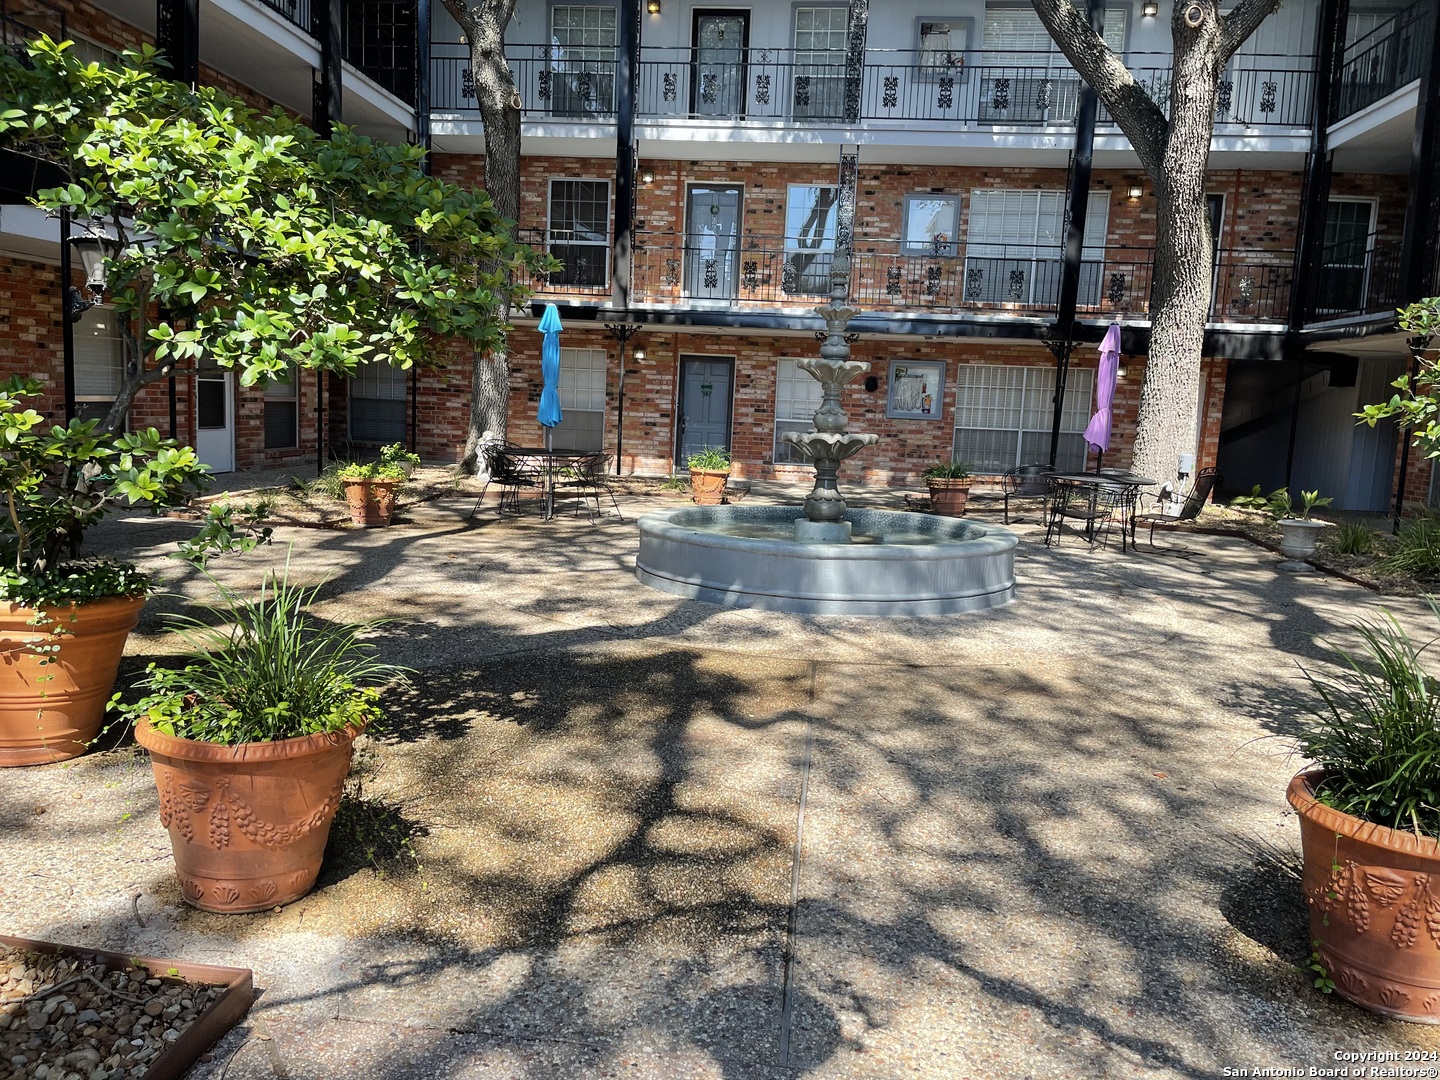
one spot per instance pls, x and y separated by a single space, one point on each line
30 343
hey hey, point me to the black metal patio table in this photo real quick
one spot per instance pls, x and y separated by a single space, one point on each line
549 463
1117 488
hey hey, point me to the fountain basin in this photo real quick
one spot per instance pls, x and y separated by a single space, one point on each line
896 564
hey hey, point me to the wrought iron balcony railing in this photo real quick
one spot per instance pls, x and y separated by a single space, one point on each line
23 21
764 273
1010 89
380 41
1357 276
295 12
1392 55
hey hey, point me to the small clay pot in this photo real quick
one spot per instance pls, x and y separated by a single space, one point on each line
948 497
707 486
1374 896
248 823
53 703
371 502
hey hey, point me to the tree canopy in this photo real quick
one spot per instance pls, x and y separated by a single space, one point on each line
245 238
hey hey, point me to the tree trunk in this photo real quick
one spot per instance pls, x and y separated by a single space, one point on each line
499 103
1166 426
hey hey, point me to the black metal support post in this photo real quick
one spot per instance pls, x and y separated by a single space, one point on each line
319 422
177 33
1063 334
1417 345
621 332
1294 421
627 88
174 410
856 33
326 101
1315 193
422 80
1422 210
415 406
67 327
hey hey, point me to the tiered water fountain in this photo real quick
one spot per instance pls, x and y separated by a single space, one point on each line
834 560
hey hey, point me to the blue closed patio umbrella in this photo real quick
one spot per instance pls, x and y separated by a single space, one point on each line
549 414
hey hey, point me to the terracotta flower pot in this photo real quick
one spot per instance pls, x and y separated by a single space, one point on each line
53 710
371 501
248 823
948 497
1374 896
707 486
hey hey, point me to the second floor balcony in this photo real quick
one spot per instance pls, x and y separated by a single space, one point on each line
1391 56
766 86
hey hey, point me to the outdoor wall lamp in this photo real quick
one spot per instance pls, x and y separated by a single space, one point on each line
92 258
647 177
1120 373
1134 191
1150 9
637 354
652 6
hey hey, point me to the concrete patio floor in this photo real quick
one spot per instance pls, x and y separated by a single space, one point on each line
660 838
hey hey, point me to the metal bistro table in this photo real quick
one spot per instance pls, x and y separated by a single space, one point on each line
1117 489
548 463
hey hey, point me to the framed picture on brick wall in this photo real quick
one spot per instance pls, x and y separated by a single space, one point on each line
916 389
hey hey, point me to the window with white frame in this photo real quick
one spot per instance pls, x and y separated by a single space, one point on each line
810 220
99 363
820 50
92 52
1026 78
1014 247
282 412
377 404
797 396
582 400
932 224
1004 416
582 58
579 231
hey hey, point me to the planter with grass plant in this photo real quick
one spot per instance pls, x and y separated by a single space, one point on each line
251 740
709 472
64 618
949 483
370 492
1369 825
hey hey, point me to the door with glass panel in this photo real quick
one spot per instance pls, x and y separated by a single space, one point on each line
712 241
810 222
820 33
215 417
717 87
582 59
1025 78
1015 248
1345 258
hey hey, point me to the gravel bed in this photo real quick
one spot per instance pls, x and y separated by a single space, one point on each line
65 1019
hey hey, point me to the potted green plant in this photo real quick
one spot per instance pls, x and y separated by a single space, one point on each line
1299 536
949 483
64 618
1369 823
396 454
251 740
709 471
370 491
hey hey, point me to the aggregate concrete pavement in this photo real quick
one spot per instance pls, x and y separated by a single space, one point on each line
649 836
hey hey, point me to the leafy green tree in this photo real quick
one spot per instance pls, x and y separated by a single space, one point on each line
244 238
1416 403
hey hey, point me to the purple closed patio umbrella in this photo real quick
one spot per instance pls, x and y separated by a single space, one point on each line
1097 432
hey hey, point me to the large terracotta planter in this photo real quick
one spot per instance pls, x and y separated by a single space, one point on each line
371 502
248 824
948 497
1374 896
707 486
53 710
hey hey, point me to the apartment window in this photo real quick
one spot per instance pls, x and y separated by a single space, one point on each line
580 231
282 413
582 59
941 45
1345 258
932 224
1014 247
92 52
797 396
1026 77
582 399
820 50
1004 415
99 363
377 404
810 212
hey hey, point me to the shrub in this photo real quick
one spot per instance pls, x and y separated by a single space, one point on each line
372 470
947 470
1417 549
1352 538
710 458
396 454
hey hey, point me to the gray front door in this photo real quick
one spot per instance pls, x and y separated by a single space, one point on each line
704 405
712 241
718 87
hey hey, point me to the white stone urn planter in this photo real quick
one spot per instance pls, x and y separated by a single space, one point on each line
1298 539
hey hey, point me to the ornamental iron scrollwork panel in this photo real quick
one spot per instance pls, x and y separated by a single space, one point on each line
789 278
891 97
1224 98
1246 294
932 281
708 83
946 97
1043 94
1017 285
467 83
1267 96
750 275
974 284
762 89
671 277
669 81
585 87
1000 100
712 274
802 91
1118 288
892 281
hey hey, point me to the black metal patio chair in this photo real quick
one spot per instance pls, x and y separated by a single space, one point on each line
1093 507
587 480
512 474
1206 481
1028 483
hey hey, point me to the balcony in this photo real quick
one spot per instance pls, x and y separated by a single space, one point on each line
1391 56
768 274
22 22
1358 277
776 85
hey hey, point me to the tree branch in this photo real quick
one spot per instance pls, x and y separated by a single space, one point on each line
1241 23
1129 103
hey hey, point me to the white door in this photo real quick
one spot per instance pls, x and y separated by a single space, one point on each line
215 420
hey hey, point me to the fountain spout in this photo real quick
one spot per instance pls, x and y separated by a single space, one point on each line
830 442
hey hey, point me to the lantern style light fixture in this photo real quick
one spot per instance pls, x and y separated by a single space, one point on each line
92 258
646 176
653 7
1134 191
1150 9
637 354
